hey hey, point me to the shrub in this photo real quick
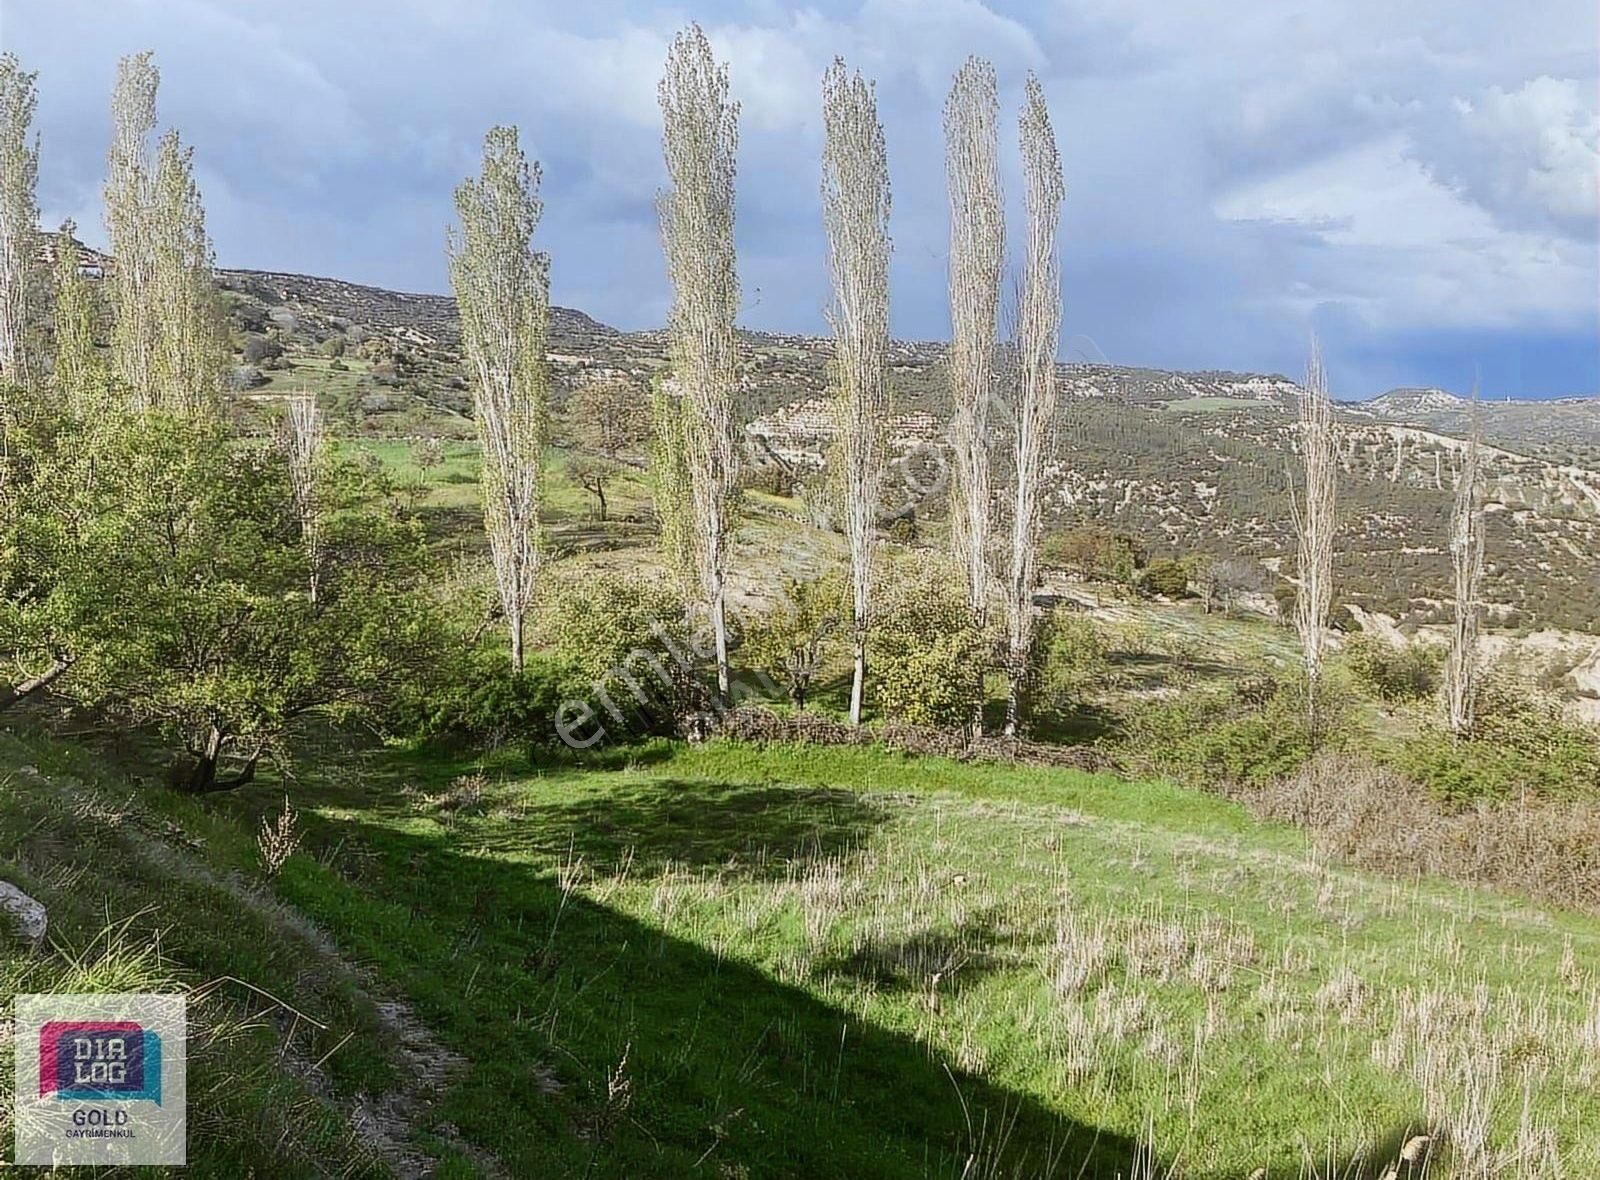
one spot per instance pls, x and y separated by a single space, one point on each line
485 701
1093 551
1284 596
1394 673
1522 742
1068 656
260 349
1374 817
927 660
774 479
1249 733
1166 577
625 641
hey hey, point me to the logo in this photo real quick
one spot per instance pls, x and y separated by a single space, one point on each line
100 1079
80 1060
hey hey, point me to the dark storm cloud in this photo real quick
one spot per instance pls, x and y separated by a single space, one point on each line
1397 176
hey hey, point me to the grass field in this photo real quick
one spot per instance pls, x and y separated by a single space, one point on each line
775 961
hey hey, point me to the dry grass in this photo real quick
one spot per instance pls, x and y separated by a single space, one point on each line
1378 819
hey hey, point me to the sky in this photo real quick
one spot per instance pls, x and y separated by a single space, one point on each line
1414 182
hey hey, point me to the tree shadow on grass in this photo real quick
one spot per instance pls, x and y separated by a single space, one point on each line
749 830
934 962
602 1046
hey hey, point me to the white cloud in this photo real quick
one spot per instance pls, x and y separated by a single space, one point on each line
1234 174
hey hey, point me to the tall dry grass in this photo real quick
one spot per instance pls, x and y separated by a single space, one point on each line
1376 818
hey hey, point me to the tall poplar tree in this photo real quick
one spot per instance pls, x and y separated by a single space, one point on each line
855 213
700 140
502 288
1038 339
21 278
977 250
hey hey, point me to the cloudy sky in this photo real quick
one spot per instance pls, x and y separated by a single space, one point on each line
1417 182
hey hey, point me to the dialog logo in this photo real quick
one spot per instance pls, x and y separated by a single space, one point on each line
80 1060
100 1079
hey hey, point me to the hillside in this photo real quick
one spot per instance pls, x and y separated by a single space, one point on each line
849 964
1182 461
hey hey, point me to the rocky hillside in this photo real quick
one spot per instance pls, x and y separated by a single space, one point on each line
1182 461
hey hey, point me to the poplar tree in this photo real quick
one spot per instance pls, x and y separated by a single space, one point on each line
1313 511
855 213
1038 337
79 368
129 231
21 281
700 141
502 287
977 249
1466 559
168 340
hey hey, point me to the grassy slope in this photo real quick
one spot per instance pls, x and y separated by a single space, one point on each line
846 962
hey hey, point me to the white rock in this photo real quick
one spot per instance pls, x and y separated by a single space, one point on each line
27 913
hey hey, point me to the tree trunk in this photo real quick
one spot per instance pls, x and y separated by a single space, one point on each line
1014 671
858 679
516 645
11 694
719 627
600 494
200 777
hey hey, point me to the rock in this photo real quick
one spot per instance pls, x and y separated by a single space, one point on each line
28 914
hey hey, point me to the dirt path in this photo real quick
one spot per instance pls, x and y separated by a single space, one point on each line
388 1124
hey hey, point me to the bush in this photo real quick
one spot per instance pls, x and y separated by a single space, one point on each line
1166 578
260 349
1093 551
485 701
1522 742
774 479
1068 656
1394 674
1248 733
927 659
1381 820
624 639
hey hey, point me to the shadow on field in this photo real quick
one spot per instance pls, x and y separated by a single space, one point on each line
748 830
604 1047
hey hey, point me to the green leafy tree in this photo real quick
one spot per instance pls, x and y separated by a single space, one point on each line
219 642
608 421
791 642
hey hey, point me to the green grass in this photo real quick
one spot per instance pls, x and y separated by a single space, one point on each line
122 919
845 962
1210 405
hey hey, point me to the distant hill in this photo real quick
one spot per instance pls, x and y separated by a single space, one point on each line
1183 460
